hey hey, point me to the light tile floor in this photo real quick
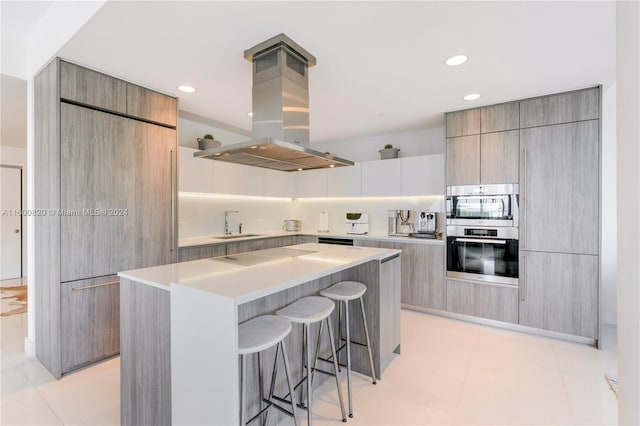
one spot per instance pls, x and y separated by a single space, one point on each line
450 372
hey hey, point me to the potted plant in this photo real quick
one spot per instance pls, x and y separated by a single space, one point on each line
208 142
388 152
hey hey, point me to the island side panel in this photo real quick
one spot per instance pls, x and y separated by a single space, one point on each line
204 358
145 356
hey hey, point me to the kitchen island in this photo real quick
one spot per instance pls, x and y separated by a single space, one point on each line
179 325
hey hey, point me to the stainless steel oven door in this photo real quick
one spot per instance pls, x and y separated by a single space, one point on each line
486 258
482 205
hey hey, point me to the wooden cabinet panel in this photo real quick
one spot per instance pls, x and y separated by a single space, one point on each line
463 160
559 190
150 238
559 292
96 162
463 123
345 181
422 275
499 157
302 239
563 108
423 175
483 300
194 174
312 183
497 118
390 279
89 321
78 84
152 106
186 254
382 177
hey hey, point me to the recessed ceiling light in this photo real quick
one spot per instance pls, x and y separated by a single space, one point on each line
186 89
456 60
472 97
250 114
332 165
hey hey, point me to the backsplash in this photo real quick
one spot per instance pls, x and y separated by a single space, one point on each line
203 214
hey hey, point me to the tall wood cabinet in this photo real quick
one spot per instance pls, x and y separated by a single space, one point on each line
105 183
560 212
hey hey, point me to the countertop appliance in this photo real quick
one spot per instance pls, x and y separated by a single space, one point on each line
483 254
392 226
292 225
357 223
483 205
280 112
427 222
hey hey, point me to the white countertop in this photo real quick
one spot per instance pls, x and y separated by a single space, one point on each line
200 241
245 283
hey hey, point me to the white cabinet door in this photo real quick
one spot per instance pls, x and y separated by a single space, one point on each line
194 174
345 181
423 175
312 183
382 177
237 179
279 184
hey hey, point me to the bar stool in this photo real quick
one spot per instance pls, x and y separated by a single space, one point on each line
307 311
344 291
254 336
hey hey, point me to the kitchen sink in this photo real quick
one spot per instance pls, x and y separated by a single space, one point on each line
232 237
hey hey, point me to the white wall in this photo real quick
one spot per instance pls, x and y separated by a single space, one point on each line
191 127
308 210
628 160
608 210
202 215
411 143
13 156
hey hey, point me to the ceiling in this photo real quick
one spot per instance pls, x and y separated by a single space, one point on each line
380 64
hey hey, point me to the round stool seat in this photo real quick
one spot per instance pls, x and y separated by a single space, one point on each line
345 290
261 333
307 310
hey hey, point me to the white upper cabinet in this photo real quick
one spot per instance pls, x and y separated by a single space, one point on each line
423 175
382 178
279 184
312 183
345 181
194 174
231 178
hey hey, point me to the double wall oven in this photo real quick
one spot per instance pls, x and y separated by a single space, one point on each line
482 233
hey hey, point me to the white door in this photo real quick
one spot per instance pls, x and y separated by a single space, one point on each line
11 223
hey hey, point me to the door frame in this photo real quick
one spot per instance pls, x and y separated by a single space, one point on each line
21 170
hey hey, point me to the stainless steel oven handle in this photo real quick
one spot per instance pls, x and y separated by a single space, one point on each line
480 240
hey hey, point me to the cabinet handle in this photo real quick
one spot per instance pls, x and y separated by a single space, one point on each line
87 287
480 241
172 207
522 282
523 201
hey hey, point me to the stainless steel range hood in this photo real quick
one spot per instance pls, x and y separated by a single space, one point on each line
280 112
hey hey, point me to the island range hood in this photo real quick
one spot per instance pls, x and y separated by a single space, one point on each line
280 112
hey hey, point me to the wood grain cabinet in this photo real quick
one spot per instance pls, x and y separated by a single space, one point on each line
463 160
107 180
463 123
499 157
88 87
485 300
501 117
567 107
90 321
152 106
186 254
422 275
559 191
559 292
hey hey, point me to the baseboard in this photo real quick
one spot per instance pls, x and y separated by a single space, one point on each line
29 347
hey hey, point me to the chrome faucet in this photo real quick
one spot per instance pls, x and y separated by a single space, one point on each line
226 221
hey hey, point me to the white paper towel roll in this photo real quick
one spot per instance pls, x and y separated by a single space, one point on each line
324 222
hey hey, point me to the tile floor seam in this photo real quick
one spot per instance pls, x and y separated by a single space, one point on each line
564 385
48 405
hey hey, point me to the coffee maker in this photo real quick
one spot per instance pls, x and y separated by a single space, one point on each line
427 225
400 223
